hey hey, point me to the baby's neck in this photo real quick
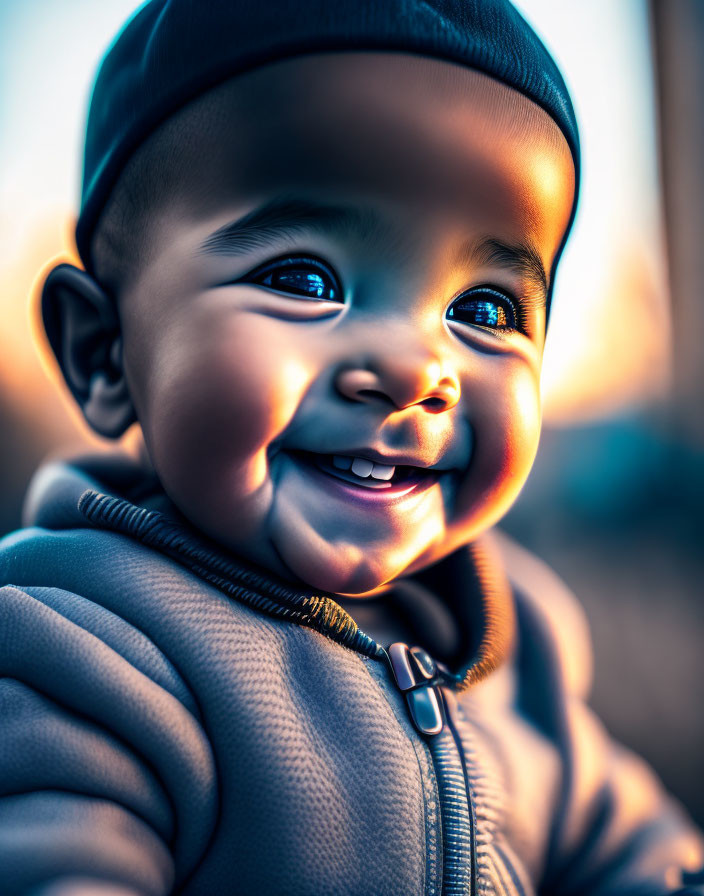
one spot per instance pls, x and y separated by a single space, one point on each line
405 611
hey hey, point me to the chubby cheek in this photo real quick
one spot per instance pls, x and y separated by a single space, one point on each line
219 390
504 407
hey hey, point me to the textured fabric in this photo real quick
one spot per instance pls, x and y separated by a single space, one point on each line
487 631
173 50
158 737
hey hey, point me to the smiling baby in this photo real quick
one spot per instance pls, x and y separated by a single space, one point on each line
282 652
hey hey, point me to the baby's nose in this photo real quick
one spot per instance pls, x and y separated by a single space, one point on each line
400 384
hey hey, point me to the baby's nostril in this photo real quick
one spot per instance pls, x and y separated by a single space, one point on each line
435 404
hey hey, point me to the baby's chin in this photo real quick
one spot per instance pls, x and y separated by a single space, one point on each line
339 568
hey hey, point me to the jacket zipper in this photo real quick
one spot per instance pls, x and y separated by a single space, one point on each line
421 680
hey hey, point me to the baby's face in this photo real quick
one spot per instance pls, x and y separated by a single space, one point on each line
334 349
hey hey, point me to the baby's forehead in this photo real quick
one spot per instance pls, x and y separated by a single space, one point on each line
330 85
296 123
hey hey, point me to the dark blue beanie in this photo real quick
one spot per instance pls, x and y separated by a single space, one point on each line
173 50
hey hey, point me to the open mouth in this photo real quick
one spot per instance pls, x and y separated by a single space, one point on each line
368 475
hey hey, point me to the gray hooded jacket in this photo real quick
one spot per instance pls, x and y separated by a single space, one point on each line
172 721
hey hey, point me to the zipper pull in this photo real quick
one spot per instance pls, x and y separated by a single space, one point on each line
418 675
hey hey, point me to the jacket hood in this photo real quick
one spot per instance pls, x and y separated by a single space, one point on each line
112 491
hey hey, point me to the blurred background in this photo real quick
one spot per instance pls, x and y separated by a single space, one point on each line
614 503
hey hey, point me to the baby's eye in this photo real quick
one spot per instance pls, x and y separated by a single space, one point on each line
484 307
305 277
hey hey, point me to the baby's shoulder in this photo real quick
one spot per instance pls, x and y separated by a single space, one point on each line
104 567
88 585
113 571
62 589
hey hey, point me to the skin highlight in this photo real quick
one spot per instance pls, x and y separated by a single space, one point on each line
236 382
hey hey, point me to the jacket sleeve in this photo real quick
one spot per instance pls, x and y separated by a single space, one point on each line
107 782
615 832
618 831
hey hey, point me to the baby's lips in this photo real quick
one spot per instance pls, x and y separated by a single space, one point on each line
346 457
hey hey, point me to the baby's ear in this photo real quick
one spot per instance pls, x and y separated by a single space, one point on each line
83 329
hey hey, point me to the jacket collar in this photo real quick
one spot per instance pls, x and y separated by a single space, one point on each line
114 492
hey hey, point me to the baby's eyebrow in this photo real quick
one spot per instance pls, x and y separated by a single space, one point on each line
288 217
284 217
521 258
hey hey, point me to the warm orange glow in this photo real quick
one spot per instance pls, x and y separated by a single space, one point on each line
612 352
29 378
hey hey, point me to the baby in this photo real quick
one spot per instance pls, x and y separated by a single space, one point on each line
280 653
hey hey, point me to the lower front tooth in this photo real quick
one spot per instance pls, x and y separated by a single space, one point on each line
362 467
